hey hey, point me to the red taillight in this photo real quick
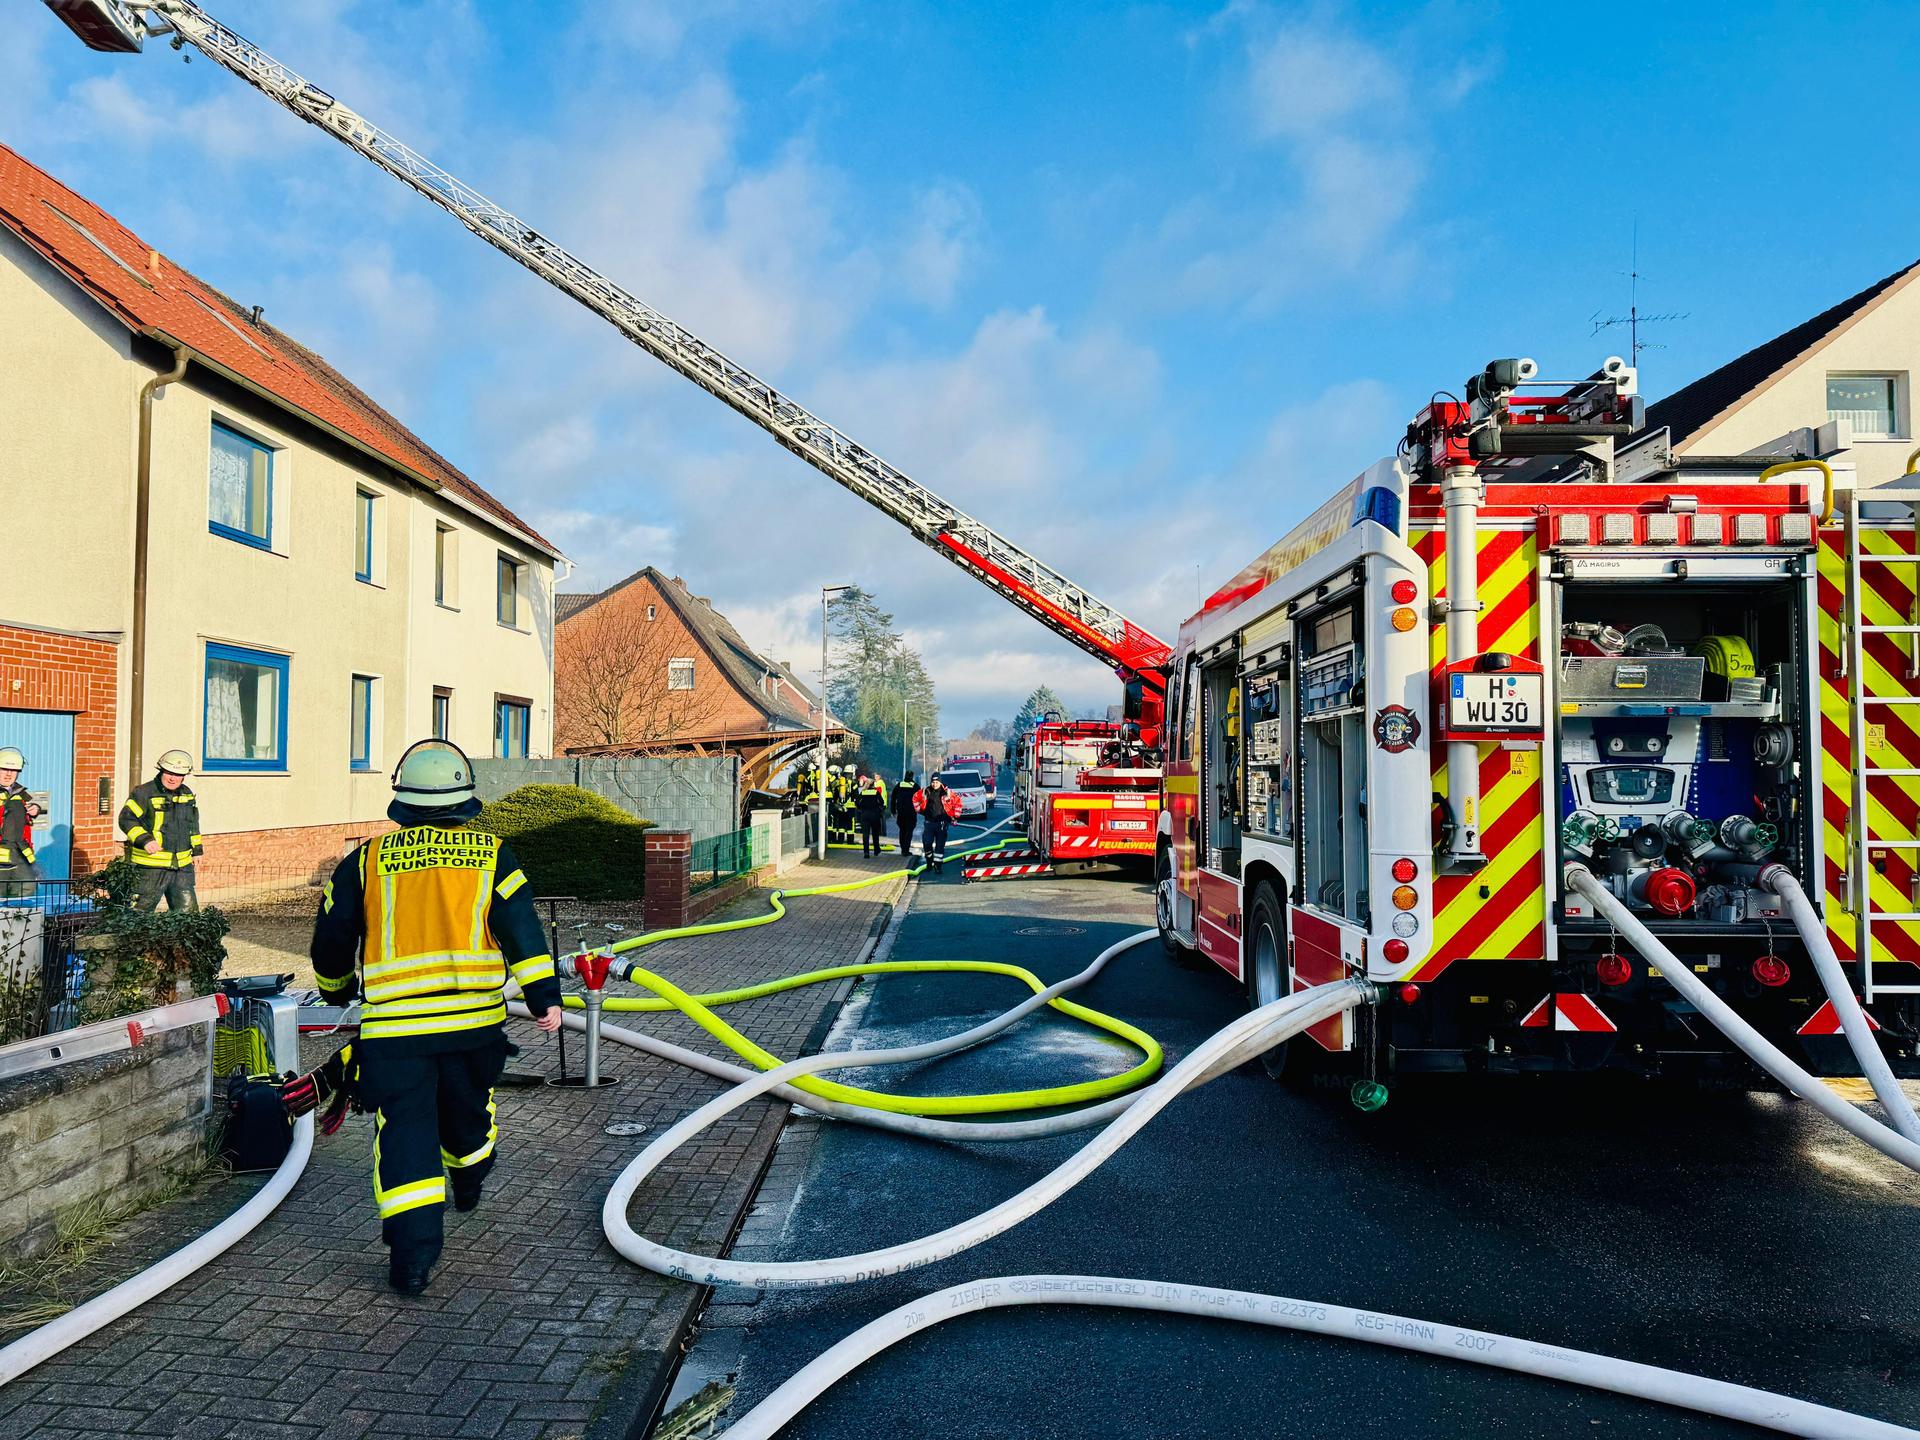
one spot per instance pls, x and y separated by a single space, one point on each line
1613 970
1772 971
1409 994
1395 952
1404 870
1404 591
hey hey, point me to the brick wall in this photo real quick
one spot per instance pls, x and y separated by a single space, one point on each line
47 670
241 859
669 867
118 1126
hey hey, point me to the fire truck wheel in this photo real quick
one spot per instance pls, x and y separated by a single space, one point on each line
1163 913
1269 972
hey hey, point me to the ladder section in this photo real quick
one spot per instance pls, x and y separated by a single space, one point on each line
1880 669
1069 610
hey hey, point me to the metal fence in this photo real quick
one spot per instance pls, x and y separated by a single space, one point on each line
719 858
697 793
41 973
796 834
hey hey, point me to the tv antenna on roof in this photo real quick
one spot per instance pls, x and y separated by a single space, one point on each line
1633 319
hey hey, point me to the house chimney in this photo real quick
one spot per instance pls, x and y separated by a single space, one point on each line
255 316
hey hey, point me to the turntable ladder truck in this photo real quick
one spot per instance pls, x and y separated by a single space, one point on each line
1067 609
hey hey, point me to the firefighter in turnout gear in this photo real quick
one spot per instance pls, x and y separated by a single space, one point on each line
18 873
840 829
439 916
161 823
870 808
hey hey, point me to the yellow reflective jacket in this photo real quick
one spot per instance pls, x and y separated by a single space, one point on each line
440 916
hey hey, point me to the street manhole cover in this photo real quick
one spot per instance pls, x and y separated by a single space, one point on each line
626 1127
1051 930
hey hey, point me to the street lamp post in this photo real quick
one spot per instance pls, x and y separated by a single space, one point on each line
820 850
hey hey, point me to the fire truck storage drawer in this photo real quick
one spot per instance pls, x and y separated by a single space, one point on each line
1637 677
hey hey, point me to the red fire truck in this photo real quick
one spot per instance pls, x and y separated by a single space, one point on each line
1537 649
1088 790
982 764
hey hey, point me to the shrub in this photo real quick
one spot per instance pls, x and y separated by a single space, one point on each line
136 957
571 841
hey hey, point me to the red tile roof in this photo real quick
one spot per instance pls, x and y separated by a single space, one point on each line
151 295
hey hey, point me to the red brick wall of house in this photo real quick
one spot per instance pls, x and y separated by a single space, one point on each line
46 670
243 860
715 704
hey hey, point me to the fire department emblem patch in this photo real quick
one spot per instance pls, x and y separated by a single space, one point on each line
1395 728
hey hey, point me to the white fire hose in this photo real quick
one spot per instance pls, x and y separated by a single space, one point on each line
1759 1049
1239 1041
74 1326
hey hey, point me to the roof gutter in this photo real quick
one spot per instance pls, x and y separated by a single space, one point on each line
280 402
142 507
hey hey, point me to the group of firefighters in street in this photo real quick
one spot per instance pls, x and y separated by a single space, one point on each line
858 801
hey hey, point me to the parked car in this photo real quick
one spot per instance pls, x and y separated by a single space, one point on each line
971 789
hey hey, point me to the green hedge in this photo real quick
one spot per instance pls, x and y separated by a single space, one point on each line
571 841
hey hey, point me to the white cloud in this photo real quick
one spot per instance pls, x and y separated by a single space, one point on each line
1305 78
603 548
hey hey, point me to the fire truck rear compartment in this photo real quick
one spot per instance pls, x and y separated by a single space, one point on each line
1681 751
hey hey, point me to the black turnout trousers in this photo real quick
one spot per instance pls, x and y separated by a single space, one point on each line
435 1116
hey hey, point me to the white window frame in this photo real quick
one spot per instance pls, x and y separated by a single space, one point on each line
1901 426
692 672
440 692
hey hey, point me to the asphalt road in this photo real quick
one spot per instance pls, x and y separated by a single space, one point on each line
1736 1236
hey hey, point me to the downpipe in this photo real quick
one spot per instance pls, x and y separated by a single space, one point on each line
1758 1048
1853 1019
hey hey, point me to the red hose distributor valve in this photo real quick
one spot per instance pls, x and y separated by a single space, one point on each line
592 970
1670 891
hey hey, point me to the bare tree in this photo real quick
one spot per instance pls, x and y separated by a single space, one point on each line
611 683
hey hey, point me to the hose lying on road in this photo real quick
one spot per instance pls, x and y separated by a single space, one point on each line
1261 1028
1853 1020
1506 1352
56 1335
1723 1016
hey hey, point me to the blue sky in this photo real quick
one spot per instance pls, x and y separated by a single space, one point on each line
1134 284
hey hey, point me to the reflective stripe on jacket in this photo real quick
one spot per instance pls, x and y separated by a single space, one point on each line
16 826
440 916
172 817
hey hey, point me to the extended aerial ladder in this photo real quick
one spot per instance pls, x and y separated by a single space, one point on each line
1067 609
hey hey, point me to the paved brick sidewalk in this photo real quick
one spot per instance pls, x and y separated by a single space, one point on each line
533 1326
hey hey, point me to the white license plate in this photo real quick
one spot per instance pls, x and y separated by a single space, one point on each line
1497 701
1126 824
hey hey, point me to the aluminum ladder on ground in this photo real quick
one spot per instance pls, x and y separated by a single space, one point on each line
1861 704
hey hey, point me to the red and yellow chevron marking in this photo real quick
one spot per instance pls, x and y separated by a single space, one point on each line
1893 738
1500 913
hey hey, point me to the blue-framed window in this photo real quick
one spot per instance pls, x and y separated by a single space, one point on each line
240 488
510 729
244 719
507 591
442 713
362 723
363 535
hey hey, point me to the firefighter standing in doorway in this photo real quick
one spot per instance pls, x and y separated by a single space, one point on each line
439 916
161 823
18 873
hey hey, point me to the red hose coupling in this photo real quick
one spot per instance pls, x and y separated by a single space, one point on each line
1670 891
592 970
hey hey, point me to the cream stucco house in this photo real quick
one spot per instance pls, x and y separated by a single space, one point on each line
319 587
1851 367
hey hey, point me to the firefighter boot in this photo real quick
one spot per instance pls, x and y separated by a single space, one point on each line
409 1267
